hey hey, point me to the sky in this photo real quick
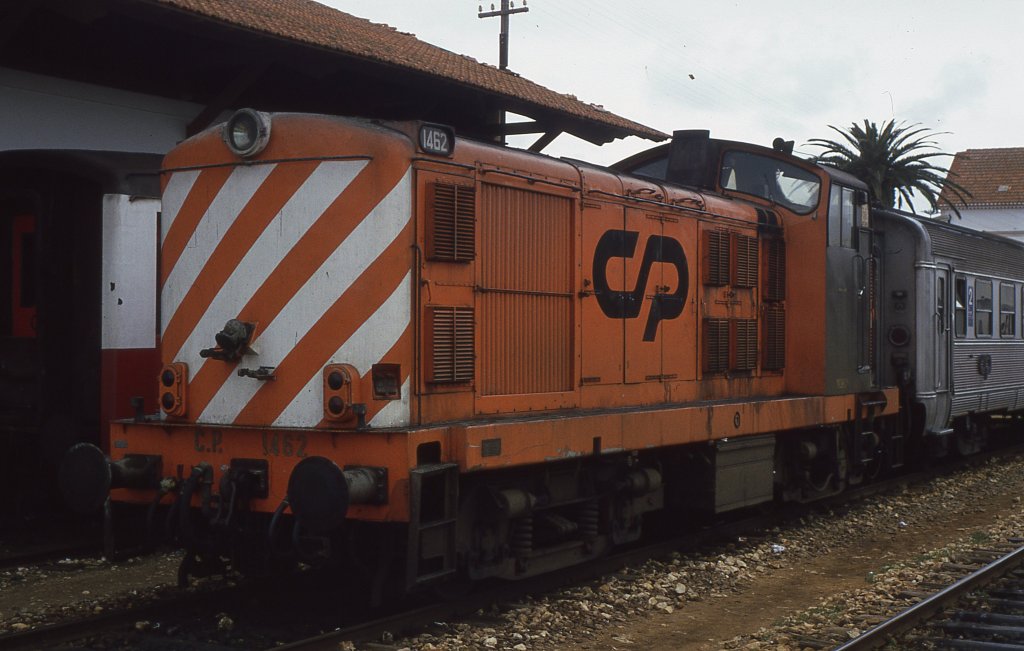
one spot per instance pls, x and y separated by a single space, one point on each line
752 70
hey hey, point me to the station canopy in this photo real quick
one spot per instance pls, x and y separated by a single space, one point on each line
287 55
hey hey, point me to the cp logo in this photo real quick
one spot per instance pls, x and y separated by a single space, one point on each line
626 305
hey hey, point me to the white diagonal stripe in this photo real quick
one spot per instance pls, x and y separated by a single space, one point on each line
223 210
178 187
352 257
363 349
299 213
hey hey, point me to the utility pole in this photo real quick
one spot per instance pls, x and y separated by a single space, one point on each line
507 9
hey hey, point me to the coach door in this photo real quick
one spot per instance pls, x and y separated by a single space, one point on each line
22 276
19 364
941 327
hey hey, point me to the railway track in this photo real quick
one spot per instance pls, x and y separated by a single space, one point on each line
357 624
40 555
420 619
123 621
361 626
411 621
982 611
61 537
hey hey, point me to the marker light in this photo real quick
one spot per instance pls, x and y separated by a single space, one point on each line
247 132
341 391
174 389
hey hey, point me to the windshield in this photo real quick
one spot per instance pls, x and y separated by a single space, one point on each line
772 179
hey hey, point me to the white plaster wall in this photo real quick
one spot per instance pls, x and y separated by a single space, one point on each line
38 112
129 271
1008 222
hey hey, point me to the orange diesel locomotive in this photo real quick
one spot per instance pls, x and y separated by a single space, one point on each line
382 341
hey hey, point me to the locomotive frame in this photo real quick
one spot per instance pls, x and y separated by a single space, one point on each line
491 363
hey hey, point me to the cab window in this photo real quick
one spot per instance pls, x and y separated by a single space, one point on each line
769 178
841 211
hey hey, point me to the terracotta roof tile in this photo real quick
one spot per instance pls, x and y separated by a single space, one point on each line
315 24
994 177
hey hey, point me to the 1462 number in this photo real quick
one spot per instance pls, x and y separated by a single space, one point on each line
276 444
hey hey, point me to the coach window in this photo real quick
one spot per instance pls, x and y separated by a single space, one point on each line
1007 310
983 308
841 209
960 307
940 301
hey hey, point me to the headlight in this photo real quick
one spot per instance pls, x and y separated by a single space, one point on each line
247 132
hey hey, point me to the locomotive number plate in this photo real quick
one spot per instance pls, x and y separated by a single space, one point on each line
435 139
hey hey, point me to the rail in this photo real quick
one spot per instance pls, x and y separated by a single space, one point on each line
928 608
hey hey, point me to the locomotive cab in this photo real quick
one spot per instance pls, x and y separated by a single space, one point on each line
837 282
826 306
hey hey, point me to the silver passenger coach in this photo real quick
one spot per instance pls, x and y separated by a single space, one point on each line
952 326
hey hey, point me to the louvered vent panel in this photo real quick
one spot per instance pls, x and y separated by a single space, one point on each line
775 269
774 338
745 351
716 345
716 270
746 261
453 222
452 345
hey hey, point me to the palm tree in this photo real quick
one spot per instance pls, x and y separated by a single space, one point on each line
894 161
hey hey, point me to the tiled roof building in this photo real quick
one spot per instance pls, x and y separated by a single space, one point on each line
995 180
